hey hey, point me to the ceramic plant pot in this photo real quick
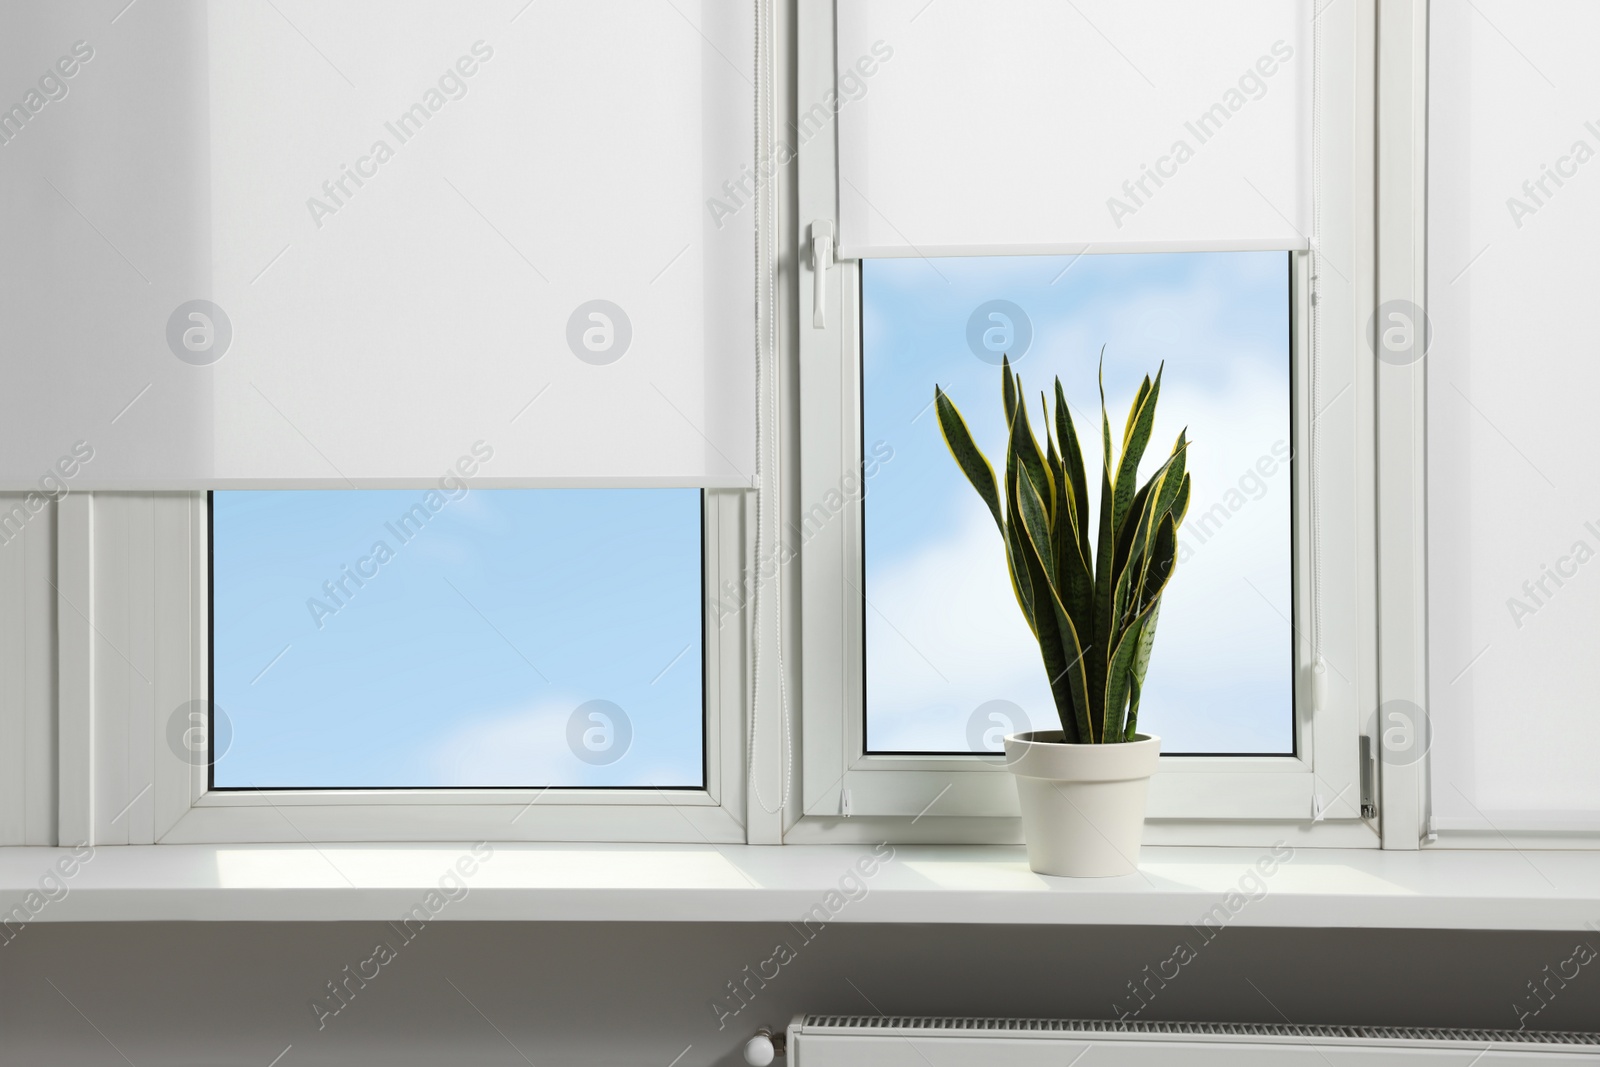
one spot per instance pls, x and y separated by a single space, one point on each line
1082 805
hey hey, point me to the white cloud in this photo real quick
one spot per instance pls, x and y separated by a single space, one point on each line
528 746
945 635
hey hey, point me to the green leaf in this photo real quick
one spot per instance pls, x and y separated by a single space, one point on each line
1105 420
1141 664
1104 617
1159 565
1105 550
1027 447
1035 521
1172 473
1118 672
1073 577
1153 501
1077 677
1021 584
1163 555
1133 412
1125 577
1063 536
973 463
1072 460
1008 392
1075 585
1064 659
1129 533
1052 460
1137 437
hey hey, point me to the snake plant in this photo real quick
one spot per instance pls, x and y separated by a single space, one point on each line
1092 602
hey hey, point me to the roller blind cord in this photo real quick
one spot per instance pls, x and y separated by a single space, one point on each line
1319 669
766 373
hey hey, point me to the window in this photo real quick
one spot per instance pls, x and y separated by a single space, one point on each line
943 160
457 638
322 319
956 182
950 664
400 718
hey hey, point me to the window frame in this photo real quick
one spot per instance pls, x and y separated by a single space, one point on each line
97 585
1194 799
140 564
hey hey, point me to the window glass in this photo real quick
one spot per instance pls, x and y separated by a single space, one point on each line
950 663
413 638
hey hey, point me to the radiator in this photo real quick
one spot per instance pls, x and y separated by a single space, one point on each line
906 1041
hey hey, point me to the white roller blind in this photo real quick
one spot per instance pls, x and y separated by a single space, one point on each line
1513 488
970 126
432 229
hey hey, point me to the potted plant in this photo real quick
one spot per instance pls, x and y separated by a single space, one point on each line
1092 603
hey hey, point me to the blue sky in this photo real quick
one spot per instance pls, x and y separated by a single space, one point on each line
944 634
462 660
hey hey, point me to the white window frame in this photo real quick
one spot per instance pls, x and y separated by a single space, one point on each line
104 631
132 628
103 596
1194 799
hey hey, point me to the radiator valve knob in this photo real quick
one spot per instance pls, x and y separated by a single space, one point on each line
760 1050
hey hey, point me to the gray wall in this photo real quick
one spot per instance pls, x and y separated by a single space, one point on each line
640 993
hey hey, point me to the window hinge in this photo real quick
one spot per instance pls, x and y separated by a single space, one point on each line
844 803
821 260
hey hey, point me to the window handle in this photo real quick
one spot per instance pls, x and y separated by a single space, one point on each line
821 260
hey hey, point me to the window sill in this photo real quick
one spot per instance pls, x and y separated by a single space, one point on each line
1502 890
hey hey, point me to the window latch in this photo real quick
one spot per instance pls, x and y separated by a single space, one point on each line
821 260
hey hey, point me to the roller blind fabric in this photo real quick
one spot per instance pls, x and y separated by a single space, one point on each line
970 126
365 243
1513 494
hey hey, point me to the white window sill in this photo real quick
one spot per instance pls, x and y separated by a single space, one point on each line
1503 890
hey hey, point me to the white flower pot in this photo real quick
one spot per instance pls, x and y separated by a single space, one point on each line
1082 805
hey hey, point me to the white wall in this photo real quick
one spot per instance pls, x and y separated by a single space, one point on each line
618 993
